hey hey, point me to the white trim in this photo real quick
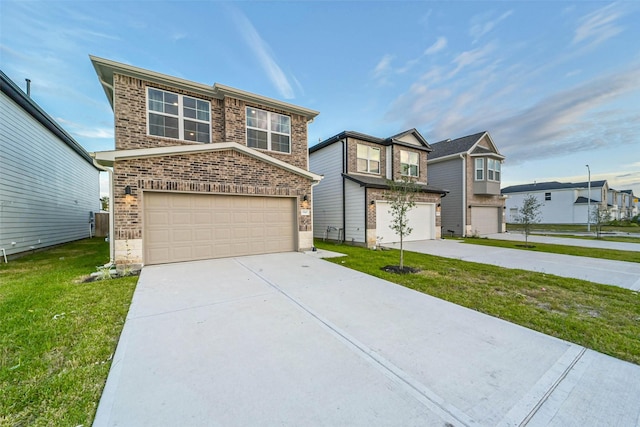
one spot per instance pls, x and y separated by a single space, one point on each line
268 130
107 158
476 169
369 160
417 164
180 116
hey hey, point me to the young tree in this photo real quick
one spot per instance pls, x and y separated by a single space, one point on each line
104 203
401 196
528 214
600 216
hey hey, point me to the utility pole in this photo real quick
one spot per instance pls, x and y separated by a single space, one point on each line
589 202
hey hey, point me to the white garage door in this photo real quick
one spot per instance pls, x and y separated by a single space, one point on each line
422 218
484 220
185 227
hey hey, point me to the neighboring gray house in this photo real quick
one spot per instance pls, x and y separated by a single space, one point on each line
349 203
632 203
49 185
563 202
471 169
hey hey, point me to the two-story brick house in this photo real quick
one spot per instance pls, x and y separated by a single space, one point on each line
203 171
471 169
349 202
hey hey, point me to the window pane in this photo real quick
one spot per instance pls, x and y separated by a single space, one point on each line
155 105
163 126
280 123
362 165
155 95
497 177
490 174
374 166
190 113
256 118
404 156
479 163
413 171
374 154
189 102
363 152
414 158
256 139
280 143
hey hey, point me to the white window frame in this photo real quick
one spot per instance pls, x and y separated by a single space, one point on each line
180 116
493 170
407 171
370 149
478 169
268 130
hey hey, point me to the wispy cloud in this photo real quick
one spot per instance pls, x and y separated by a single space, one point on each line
598 26
483 24
472 58
263 52
79 129
382 70
439 44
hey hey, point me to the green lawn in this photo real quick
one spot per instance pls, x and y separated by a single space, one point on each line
575 228
623 239
600 317
58 335
611 254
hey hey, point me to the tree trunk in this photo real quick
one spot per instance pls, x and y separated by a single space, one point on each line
401 254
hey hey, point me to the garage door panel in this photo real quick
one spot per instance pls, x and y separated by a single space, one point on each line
183 227
421 219
484 220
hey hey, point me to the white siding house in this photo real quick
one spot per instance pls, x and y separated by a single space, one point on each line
562 203
49 186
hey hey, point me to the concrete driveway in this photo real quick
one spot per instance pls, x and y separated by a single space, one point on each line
289 339
617 273
568 241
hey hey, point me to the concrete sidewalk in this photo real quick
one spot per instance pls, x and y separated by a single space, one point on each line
567 241
288 339
616 273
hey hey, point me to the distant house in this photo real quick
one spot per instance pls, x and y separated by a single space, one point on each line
631 203
349 203
49 187
471 169
563 202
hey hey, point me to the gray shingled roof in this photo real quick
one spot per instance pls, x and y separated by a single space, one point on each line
583 200
377 182
454 146
552 185
364 137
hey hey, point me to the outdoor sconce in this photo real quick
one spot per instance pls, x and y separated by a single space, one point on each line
373 202
439 204
127 190
305 198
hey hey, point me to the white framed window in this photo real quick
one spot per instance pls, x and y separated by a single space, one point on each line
547 196
368 159
171 115
409 163
496 169
479 170
493 170
268 131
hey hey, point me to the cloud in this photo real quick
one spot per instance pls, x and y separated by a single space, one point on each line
598 26
472 58
264 54
481 24
78 129
439 44
382 70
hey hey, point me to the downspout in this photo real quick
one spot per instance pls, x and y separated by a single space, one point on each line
111 211
344 170
464 195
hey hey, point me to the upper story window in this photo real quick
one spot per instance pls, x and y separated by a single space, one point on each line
268 131
493 170
178 116
479 169
409 163
368 159
547 196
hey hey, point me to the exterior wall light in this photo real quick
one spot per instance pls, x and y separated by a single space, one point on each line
127 190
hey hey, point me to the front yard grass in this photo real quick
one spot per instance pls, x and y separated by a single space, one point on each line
600 317
574 228
57 334
611 254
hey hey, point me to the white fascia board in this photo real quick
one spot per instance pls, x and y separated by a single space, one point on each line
499 156
107 158
444 158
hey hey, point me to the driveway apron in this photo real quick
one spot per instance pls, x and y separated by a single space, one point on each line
288 339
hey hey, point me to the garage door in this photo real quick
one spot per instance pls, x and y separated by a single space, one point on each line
484 220
185 227
422 219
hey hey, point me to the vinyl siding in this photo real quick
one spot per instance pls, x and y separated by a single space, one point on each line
354 212
327 196
561 209
47 190
448 175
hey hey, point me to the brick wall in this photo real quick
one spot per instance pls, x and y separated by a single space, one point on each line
228 121
226 172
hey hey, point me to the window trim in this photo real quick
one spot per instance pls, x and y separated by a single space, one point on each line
408 169
369 160
180 116
480 169
268 131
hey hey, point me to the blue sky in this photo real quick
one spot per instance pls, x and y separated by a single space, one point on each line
557 84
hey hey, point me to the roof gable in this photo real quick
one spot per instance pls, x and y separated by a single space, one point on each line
469 144
409 138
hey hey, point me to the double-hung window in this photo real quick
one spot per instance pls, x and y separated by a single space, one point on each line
493 170
171 115
267 130
409 163
479 169
368 159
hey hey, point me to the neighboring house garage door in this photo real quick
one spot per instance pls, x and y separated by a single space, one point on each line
484 220
422 218
185 227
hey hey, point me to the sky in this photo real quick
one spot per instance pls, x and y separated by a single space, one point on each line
556 84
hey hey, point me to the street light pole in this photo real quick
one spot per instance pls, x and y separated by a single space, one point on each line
589 202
